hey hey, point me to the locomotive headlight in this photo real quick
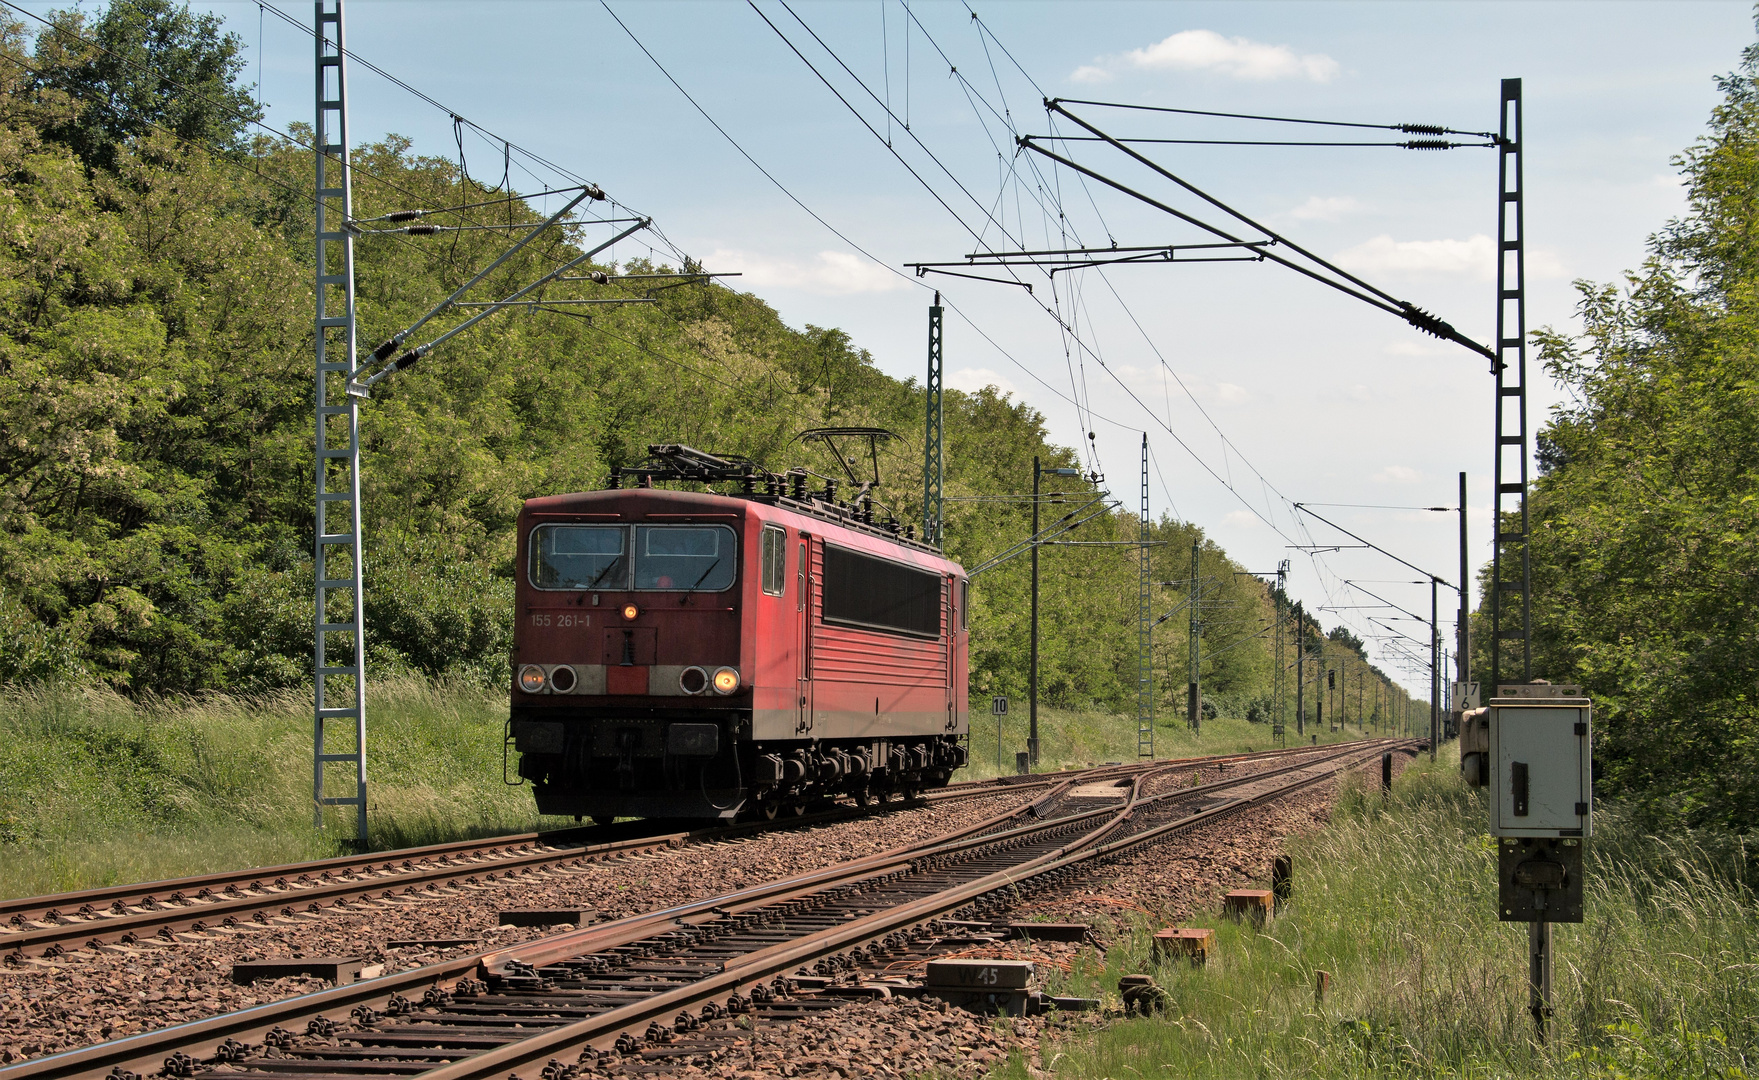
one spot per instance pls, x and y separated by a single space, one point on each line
726 680
630 611
531 679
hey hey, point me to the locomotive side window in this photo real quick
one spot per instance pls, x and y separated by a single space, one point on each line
775 560
689 558
579 557
876 594
964 603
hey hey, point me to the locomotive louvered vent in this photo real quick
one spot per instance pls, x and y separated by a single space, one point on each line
860 590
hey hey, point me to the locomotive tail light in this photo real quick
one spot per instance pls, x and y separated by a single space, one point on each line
726 680
562 679
693 680
630 611
531 679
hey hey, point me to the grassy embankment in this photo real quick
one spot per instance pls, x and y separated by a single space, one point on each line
1398 904
101 789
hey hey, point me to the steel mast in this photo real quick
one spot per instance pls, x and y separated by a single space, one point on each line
1144 631
339 595
933 465
1511 548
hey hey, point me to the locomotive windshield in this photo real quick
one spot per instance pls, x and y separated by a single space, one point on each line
579 557
677 558
683 557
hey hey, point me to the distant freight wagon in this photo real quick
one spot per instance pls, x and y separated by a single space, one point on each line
700 656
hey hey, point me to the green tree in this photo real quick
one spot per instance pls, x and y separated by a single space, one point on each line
142 66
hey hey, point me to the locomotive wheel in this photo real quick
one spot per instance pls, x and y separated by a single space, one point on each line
796 809
864 798
769 810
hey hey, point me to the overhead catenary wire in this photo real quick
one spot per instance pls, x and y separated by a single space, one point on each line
1409 129
861 249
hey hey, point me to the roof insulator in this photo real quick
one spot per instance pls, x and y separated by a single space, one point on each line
1430 144
422 230
405 215
1423 129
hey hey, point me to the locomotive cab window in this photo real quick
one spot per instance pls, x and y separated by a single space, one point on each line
877 594
775 560
686 558
579 557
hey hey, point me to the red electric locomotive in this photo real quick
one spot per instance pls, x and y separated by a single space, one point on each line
690 655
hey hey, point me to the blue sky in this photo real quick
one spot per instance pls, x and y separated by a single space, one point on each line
1279 389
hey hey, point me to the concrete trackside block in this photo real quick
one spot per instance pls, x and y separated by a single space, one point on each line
340 970
980 985
1253 904
979 974
548 916
1192 942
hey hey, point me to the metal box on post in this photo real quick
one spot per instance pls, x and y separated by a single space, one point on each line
1540 759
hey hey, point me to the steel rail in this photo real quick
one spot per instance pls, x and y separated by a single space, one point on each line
199 893
600 1031
195 904
145 1051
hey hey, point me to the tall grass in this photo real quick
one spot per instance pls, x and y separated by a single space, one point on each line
1397 903
102 789
1069 738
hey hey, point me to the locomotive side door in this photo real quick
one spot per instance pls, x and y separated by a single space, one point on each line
803 581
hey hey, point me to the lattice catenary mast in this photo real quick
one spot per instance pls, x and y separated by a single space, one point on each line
1144 630
1511 387
339 596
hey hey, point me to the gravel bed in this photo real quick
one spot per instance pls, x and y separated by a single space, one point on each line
1169 881
86 997
46 1006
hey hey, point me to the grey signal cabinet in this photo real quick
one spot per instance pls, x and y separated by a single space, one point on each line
1541 762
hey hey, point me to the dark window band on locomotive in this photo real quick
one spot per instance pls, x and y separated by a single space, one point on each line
877 594
668 558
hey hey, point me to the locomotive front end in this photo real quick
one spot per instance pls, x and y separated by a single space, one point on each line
629 697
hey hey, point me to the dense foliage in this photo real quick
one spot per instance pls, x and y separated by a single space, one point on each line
156 426
1646 571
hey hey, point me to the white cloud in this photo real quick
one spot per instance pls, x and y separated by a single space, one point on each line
830 273
1241 519
1398 474
1325 208
1231 393
1206 50
1474 256
1544 263
971 380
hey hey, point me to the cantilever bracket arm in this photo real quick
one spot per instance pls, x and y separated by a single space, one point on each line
360 383
1333 276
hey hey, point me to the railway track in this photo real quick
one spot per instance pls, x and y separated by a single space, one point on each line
663 983
50 926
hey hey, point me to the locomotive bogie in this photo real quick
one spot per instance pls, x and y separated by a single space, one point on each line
683 655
